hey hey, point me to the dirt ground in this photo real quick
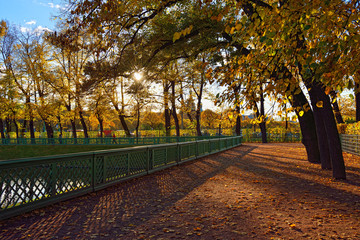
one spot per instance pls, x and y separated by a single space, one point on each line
255 191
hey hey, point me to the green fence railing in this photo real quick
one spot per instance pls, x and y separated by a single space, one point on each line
103 141
272 137
27 184
350 143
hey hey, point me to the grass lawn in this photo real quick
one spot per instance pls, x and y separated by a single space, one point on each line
16 151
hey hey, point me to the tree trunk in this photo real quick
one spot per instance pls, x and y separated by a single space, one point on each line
198 126
167 121
101 124
16 127
173 106
31 128
320 130
61 128
307 126
137 123
8 126
357 101
261 116
73 127
238 121
73 124
2 129
336 108
23 128
83 124
323 111
49 129
124 125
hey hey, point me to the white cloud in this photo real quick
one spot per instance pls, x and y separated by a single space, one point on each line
32 22
24 29
40 29
57 6
37 30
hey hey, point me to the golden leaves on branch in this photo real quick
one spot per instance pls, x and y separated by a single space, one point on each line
184 32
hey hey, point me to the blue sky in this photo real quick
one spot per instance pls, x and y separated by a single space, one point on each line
31 13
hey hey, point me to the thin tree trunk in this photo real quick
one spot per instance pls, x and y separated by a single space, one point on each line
101 124
31 127
167 121
336 108
49 129
173 106
73 127
137 123
16 127
198 126
2 129
61 128
357 101
8 126
23 129
83 124
260 114
167 111
124 125
73 124
238 121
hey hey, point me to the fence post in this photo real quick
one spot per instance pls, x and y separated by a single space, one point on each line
93 172
147 160
178 149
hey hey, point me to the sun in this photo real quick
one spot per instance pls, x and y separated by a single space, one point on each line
138 76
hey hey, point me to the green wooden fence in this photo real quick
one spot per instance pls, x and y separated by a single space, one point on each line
350 143
102 141
272 137
27 184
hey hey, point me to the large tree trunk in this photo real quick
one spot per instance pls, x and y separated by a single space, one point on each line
83 124
336 108
325 116
173 111
320 130
307 126
357 101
